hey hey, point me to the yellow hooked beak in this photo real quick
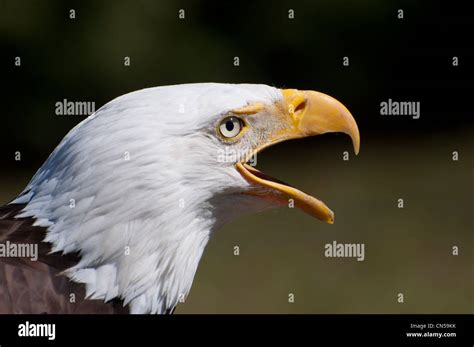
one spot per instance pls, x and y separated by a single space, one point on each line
306 113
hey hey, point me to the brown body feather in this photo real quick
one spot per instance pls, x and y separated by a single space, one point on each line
39 286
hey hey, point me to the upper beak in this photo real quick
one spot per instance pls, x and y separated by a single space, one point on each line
307 113
315 113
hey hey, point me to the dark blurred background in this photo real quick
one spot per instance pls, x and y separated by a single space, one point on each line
408 250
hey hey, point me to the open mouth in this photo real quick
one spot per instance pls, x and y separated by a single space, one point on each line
305 113
284 194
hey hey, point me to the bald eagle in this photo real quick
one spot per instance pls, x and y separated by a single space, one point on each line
123 208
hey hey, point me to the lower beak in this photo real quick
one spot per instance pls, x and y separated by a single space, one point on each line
308 113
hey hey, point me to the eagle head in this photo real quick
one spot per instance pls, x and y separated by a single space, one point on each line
137 188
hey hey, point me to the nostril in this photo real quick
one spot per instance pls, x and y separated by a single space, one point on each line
301 106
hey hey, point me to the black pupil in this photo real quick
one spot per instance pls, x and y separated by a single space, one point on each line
229 125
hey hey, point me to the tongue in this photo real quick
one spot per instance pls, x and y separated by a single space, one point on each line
264 176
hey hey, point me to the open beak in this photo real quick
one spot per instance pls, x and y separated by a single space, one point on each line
307 113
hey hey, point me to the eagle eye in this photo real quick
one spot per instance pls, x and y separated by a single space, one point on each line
230 127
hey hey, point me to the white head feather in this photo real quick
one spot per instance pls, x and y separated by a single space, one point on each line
136 189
